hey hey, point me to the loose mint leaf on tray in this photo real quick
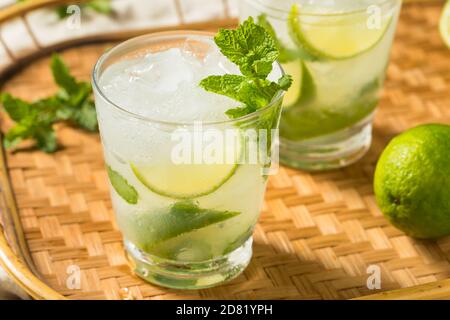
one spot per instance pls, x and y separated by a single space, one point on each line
62 76
34 120
122 187
16 108
184 216
86 116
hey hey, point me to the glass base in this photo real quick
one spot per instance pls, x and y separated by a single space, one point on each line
330 151
189 275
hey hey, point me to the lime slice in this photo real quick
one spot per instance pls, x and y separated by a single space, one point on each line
303 88
444 25
295 69
184 181
188 181
335 36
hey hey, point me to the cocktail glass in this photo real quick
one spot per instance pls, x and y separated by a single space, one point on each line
337 52
186 208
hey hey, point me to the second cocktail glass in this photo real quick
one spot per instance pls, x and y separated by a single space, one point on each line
337 52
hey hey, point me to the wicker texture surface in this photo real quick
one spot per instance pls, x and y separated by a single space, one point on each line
317 233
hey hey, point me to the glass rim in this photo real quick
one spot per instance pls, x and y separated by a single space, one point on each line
317 14
95 79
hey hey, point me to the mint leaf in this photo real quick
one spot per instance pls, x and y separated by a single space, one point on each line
15 135
185 216
122 187
100 6
285 54
253 49
239 112
250 47
86 116
34 120
62 76
46 138
285 82
253 93
16 108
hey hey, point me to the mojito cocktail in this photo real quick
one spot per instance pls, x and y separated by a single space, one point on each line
185 194
337 53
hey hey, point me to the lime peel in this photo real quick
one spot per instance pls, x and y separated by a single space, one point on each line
157 180
328 43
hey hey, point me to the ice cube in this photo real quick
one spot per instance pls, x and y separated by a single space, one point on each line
165 85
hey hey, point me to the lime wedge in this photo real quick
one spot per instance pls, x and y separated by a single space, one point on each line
444 25
335 36
303 88
190 180
295 69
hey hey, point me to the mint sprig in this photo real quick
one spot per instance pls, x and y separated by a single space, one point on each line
34 120
254 51
286 54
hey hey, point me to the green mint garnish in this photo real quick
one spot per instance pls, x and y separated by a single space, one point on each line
34 120
286 54
180 218
122 187
254 51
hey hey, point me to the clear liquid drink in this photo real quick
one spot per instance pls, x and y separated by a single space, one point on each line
337 52
185 203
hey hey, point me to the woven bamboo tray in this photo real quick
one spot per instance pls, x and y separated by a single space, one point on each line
317 233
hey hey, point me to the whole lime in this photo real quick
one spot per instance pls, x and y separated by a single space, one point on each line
412 181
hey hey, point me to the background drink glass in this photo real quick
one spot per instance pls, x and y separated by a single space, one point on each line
328 112
174 239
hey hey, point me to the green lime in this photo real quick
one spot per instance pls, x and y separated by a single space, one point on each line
335 37
444 25
412 181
